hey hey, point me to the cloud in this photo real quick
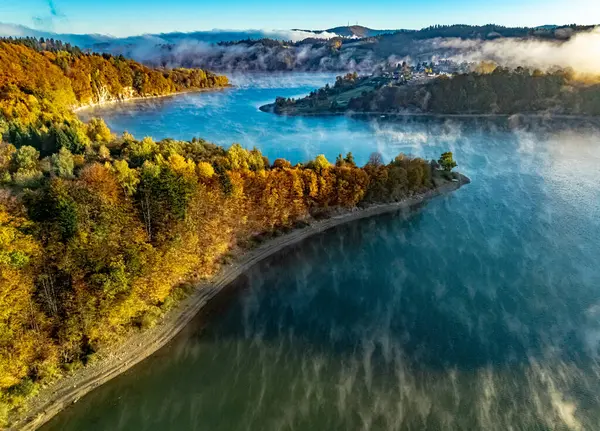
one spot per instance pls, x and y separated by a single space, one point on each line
581 52
210 36
224 35
298 35
249 56
14 30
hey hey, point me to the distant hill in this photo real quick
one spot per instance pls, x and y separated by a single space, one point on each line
355 31
81 40
337 49
102 42
86 41
359 31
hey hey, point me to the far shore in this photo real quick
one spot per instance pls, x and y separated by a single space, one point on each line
139 98
269 108
139 345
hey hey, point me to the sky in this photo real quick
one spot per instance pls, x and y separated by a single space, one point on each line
132 17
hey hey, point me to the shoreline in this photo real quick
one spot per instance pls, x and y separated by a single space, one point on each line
138 346
269 109
118 101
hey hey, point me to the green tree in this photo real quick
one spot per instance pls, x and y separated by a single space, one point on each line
163 196
26 158
63 163
256 161
78 140
103 153
128 178
238 157
447 162
98 131
25 165
59 139
140 151
349 159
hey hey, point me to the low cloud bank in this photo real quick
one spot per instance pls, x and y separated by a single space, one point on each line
252 57
209 36
581 52
81 40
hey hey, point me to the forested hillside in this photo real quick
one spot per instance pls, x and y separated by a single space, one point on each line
502 91
97 231
345 54
495 91
42 80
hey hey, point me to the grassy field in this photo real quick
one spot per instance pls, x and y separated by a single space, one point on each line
342 99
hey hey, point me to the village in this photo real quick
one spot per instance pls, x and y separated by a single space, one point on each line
349 89
401 73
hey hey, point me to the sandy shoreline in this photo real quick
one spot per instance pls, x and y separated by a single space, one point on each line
140 98
55 397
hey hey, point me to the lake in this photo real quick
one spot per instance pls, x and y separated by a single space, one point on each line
479 310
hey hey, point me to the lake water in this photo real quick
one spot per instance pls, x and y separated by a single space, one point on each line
478 311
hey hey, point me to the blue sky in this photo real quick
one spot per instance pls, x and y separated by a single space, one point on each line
129 17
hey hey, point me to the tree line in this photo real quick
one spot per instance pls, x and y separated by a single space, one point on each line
488 90
40 83
502 91
464 31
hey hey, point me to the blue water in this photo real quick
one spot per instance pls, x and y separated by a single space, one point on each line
232 116
478 311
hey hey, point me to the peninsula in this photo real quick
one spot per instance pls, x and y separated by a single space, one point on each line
101 236
488 90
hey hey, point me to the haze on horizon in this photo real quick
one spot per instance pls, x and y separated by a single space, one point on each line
133 17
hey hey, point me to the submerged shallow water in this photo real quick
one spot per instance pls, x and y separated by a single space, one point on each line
480 310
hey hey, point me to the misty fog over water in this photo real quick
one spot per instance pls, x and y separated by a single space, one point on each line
479 310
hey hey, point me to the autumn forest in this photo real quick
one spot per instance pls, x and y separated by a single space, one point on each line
98 232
